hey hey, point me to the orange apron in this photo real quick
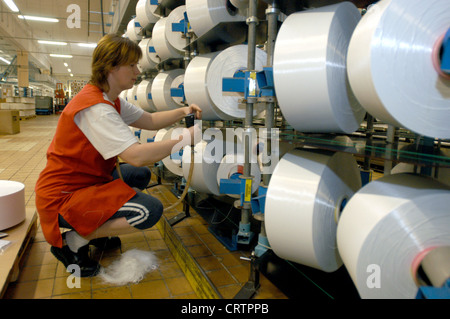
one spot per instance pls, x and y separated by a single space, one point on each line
77 181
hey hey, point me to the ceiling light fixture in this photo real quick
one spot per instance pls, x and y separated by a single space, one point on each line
65 64
52 42
11 5
69 70
4 60
42 19
61 56
88 45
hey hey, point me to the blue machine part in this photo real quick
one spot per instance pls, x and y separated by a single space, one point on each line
182 26
265 82
138 134
151 49
263 245
235 186
245 235
243 82
427 292
366 176
154 2
234 84
178 92
445 59
177 155
259 202
149 96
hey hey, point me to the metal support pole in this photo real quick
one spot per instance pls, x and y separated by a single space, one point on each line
252 21
272 13
390 143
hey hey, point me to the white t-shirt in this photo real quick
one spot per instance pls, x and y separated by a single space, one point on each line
106 129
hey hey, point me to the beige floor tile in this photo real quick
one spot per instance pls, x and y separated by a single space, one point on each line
70 285
112 293
77 295
209 263
178 285
170 269
39 272
228 292
150 290
30 290
221 278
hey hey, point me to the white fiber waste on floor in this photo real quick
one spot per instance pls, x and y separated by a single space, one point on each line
131 267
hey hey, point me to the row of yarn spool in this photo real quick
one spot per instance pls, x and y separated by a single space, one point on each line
215 158
325 61
202 85
202 79
330 67
324 84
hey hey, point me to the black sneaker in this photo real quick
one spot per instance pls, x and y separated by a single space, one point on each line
106 243
88 267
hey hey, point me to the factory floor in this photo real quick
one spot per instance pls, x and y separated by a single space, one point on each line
23 156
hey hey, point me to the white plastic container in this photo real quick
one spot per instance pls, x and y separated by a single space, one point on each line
12 203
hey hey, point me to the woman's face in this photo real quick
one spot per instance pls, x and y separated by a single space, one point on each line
123 77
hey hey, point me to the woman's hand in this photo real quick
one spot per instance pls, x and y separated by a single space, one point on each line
194 108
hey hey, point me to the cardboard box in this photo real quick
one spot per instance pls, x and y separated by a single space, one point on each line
9 122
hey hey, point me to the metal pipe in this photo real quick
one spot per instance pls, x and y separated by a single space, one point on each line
272 13
390 139
101 10
252 21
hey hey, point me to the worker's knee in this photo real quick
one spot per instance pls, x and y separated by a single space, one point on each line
146 213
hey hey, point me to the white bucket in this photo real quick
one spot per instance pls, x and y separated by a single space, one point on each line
12 203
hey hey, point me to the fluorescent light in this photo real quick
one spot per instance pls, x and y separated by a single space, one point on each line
11 5
65 64
71 74
61 56
33 18
69 70
52 42
88 45
4 60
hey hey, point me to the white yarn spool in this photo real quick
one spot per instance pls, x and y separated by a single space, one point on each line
390 65
12 203
204 178
310 70
161 86
206 14
142 93
162 46
303 203
145 13
387 227
195 88
172 164
175 38
133 95
133 30
151 52
241 4
130 95
203 82
145 63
